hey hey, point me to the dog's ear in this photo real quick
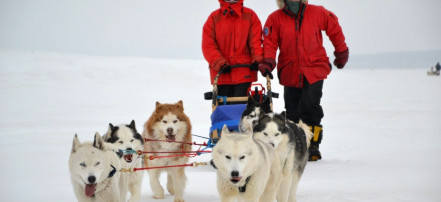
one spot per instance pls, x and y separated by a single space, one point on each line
266 106
132 125
225 129
180 105
158 104
98 142
111 128
250 101
110 131
283 115
75 144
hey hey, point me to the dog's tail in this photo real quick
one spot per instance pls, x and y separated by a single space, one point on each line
307 131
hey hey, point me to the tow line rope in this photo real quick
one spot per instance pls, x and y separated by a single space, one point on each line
194 164
172 141
181 154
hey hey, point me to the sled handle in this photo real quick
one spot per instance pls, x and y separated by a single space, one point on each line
214 103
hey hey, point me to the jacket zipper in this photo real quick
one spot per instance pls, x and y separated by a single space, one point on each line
234 37
297 32
298 20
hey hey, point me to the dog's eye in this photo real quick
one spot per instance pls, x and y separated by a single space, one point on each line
175 121
97 163
242 157
277 134
266 134
82 164
120 142
132 140
164 121
228 157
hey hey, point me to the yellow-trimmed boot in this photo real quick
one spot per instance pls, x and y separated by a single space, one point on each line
314 153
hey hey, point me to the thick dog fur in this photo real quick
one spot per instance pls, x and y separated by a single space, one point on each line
168 122
252 112
125 137
247 169
94 171
291 141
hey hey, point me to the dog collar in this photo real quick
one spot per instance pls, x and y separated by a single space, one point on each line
112 172
243 188
212 164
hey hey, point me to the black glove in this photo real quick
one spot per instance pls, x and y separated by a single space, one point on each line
225 69
254 66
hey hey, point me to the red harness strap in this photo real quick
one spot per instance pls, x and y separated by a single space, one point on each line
194 143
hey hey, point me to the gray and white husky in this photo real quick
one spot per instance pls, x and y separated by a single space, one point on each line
126 138
252 113
291 141
247 169
94 171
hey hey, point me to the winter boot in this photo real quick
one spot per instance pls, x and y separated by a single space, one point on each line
314 153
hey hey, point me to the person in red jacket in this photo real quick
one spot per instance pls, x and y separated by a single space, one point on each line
296 30
232 44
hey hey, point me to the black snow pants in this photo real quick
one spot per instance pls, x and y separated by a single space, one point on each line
304 103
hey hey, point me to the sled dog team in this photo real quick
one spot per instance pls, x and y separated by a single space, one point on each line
262 162
95 167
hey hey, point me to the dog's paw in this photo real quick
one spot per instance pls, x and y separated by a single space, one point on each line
158 196
170 189
134 199
179 200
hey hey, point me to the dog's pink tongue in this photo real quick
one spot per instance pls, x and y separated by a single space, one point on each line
90 189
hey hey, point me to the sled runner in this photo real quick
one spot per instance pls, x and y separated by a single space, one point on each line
228 110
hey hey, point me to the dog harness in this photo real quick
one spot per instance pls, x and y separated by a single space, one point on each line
112 172
243 188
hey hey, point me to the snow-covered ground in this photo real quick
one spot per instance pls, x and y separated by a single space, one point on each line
381 127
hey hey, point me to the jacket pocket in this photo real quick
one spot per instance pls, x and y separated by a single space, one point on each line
282 67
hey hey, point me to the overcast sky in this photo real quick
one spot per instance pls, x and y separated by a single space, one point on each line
173 28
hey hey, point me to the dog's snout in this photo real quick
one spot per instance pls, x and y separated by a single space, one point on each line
272 144
170 130
91 179
234 173
129 148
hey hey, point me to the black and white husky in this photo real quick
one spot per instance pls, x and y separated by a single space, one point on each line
252 112
291 141
126 138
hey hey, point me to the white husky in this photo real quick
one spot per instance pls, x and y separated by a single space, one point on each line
247 169
126 138
291 141
94 171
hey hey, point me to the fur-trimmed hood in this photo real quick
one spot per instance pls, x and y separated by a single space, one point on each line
281 3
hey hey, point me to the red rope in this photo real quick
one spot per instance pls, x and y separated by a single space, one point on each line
182 152
148 168
194 143
176 152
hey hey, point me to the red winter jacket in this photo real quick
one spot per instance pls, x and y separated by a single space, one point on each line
232 35
301 49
